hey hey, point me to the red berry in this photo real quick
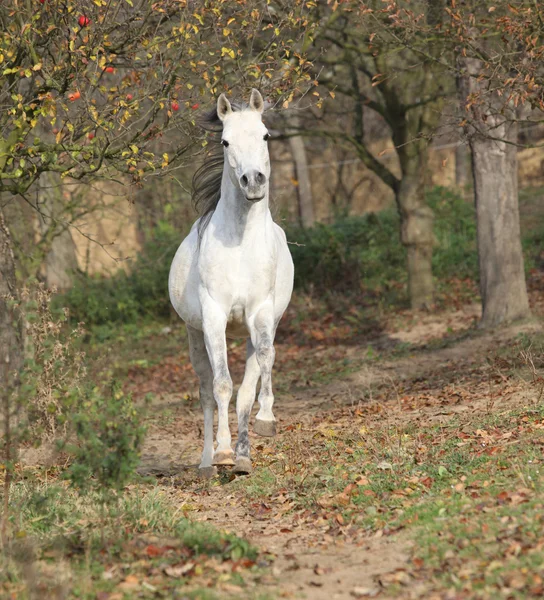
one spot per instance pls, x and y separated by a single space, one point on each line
41 1
91 135
175 105
83 21
110 70
195 106
129 97
74 96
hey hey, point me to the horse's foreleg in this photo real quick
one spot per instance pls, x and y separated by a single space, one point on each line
262 336
244 404
202 367
214 325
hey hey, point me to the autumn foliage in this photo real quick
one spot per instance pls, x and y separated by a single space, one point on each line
132 73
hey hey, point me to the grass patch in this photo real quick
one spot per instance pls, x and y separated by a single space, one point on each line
144 546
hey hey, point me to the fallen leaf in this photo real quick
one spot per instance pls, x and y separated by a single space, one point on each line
365 592
385 466
153 551
179 570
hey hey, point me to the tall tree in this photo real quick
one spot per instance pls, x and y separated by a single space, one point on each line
111 87
302 175
11 361
60 251
492 131
496 52
360 56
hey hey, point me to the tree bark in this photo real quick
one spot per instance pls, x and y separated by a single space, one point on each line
11 361
493 134
304 187
11 339
416 229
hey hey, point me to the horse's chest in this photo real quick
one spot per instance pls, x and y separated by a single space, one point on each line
239 282
240 277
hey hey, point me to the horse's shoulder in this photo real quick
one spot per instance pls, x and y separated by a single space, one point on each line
279 231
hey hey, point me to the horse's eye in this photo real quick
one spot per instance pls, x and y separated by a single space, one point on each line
225 143
266 137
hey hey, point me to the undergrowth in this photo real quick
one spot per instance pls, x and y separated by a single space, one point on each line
145 546
357 255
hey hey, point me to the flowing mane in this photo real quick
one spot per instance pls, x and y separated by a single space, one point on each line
207 178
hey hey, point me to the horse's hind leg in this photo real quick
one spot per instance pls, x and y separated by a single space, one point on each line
262 336
202 367
244 404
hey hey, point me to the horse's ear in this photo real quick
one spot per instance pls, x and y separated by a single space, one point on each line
223 107
256 101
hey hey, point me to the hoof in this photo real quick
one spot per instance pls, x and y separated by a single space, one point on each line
207 472
243 466
265 428
224 457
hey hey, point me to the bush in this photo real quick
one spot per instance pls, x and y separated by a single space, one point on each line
349 251
124 297
365 251
357 253
455 253
109 436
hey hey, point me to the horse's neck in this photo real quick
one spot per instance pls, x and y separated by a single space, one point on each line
235 215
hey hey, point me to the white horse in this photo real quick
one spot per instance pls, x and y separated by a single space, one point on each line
233 277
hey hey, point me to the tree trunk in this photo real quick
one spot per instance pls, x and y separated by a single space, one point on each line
304 187
11 340
411 130
418 238
11 361
416 218
493 133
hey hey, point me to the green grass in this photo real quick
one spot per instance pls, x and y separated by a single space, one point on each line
140 536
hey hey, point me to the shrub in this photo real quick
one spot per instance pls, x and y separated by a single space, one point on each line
350 250
109 436
365 251
124 297
54 366
455 253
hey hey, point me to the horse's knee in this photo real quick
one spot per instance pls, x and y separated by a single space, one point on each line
222 387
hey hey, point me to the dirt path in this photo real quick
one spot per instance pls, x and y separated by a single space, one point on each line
310 560
312 552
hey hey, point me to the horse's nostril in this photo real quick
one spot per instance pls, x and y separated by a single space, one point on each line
261 178
244 180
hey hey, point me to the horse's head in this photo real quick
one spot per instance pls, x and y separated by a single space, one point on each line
245 141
